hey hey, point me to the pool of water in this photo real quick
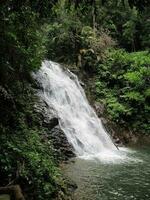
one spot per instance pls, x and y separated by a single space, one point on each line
125 180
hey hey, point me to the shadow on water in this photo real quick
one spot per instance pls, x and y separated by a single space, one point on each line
99 180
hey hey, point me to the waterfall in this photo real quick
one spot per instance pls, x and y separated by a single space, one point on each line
62 92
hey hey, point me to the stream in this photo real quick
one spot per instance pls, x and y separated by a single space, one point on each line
127 179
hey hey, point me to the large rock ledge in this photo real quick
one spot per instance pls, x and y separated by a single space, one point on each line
48 119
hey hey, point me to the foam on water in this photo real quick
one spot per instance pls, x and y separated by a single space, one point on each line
123 155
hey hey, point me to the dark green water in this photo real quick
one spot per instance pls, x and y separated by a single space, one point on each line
125 180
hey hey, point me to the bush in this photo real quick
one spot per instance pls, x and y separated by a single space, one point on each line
28 161
123 83
26 153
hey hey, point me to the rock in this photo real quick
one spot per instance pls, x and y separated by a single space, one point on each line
99 108
81 83
51 123
48 118
120 135
61 144
117 142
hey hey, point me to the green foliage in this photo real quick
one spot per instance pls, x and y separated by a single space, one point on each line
28 161
129 28
124 21
128 24
123 84
115 108
25 157
71 31
26 153
86 25
22 41
63 33
133 77
145 29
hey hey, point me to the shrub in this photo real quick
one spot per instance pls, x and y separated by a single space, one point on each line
123 83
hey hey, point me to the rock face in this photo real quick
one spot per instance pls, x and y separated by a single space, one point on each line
99 108
48 119
62 147
120 135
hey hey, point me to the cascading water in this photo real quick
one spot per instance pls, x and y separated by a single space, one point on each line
83 129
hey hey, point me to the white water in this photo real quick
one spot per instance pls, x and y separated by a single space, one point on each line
84 130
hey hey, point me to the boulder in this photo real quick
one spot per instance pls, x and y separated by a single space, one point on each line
62 147
48 119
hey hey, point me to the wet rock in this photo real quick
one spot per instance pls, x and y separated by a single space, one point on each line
121 135
82 84
99 108
47 116
117 142
63 148
50 123
48 119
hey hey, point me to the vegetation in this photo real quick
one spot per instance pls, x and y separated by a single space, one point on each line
25 158
77 25
100 38
122 84
92 35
